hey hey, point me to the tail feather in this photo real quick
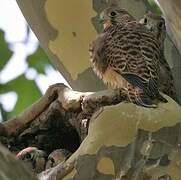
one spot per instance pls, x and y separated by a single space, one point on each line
145 101
138 97
148 91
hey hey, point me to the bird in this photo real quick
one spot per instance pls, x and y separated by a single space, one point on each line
126 57
34 158
156 24
56 157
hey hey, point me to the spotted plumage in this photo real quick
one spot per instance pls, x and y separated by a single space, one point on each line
34 158
156 24
126 56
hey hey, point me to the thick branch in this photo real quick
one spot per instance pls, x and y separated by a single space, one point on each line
57 172
86 102
14 125
11 168
63 123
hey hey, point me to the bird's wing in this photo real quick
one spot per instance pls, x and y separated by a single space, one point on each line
97 50
132 54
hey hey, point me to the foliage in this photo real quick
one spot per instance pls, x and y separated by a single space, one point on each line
154 7
26 90
7 53
39 60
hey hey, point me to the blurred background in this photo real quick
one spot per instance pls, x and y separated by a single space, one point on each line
25 70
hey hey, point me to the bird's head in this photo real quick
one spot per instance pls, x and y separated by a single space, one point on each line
114 15
155 24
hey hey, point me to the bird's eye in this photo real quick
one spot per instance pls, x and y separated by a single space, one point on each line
160 25
145 21
28 156
113 13
52 160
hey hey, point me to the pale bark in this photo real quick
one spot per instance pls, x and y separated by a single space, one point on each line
11 168
131 134
122 141
66 39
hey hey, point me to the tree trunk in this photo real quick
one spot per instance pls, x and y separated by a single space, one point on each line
108 141
12 168
107 137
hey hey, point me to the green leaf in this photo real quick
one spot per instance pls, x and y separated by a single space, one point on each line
39 60
27 92
154 7
5 52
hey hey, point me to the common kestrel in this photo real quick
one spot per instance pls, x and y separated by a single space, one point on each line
156 24
126 56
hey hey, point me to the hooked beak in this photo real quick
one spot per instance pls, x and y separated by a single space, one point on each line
105 21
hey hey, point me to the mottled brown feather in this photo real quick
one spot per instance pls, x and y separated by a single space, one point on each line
156 24
127 55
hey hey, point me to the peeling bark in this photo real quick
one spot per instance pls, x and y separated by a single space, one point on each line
97 132
108 140
59 119
60 98
11 168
